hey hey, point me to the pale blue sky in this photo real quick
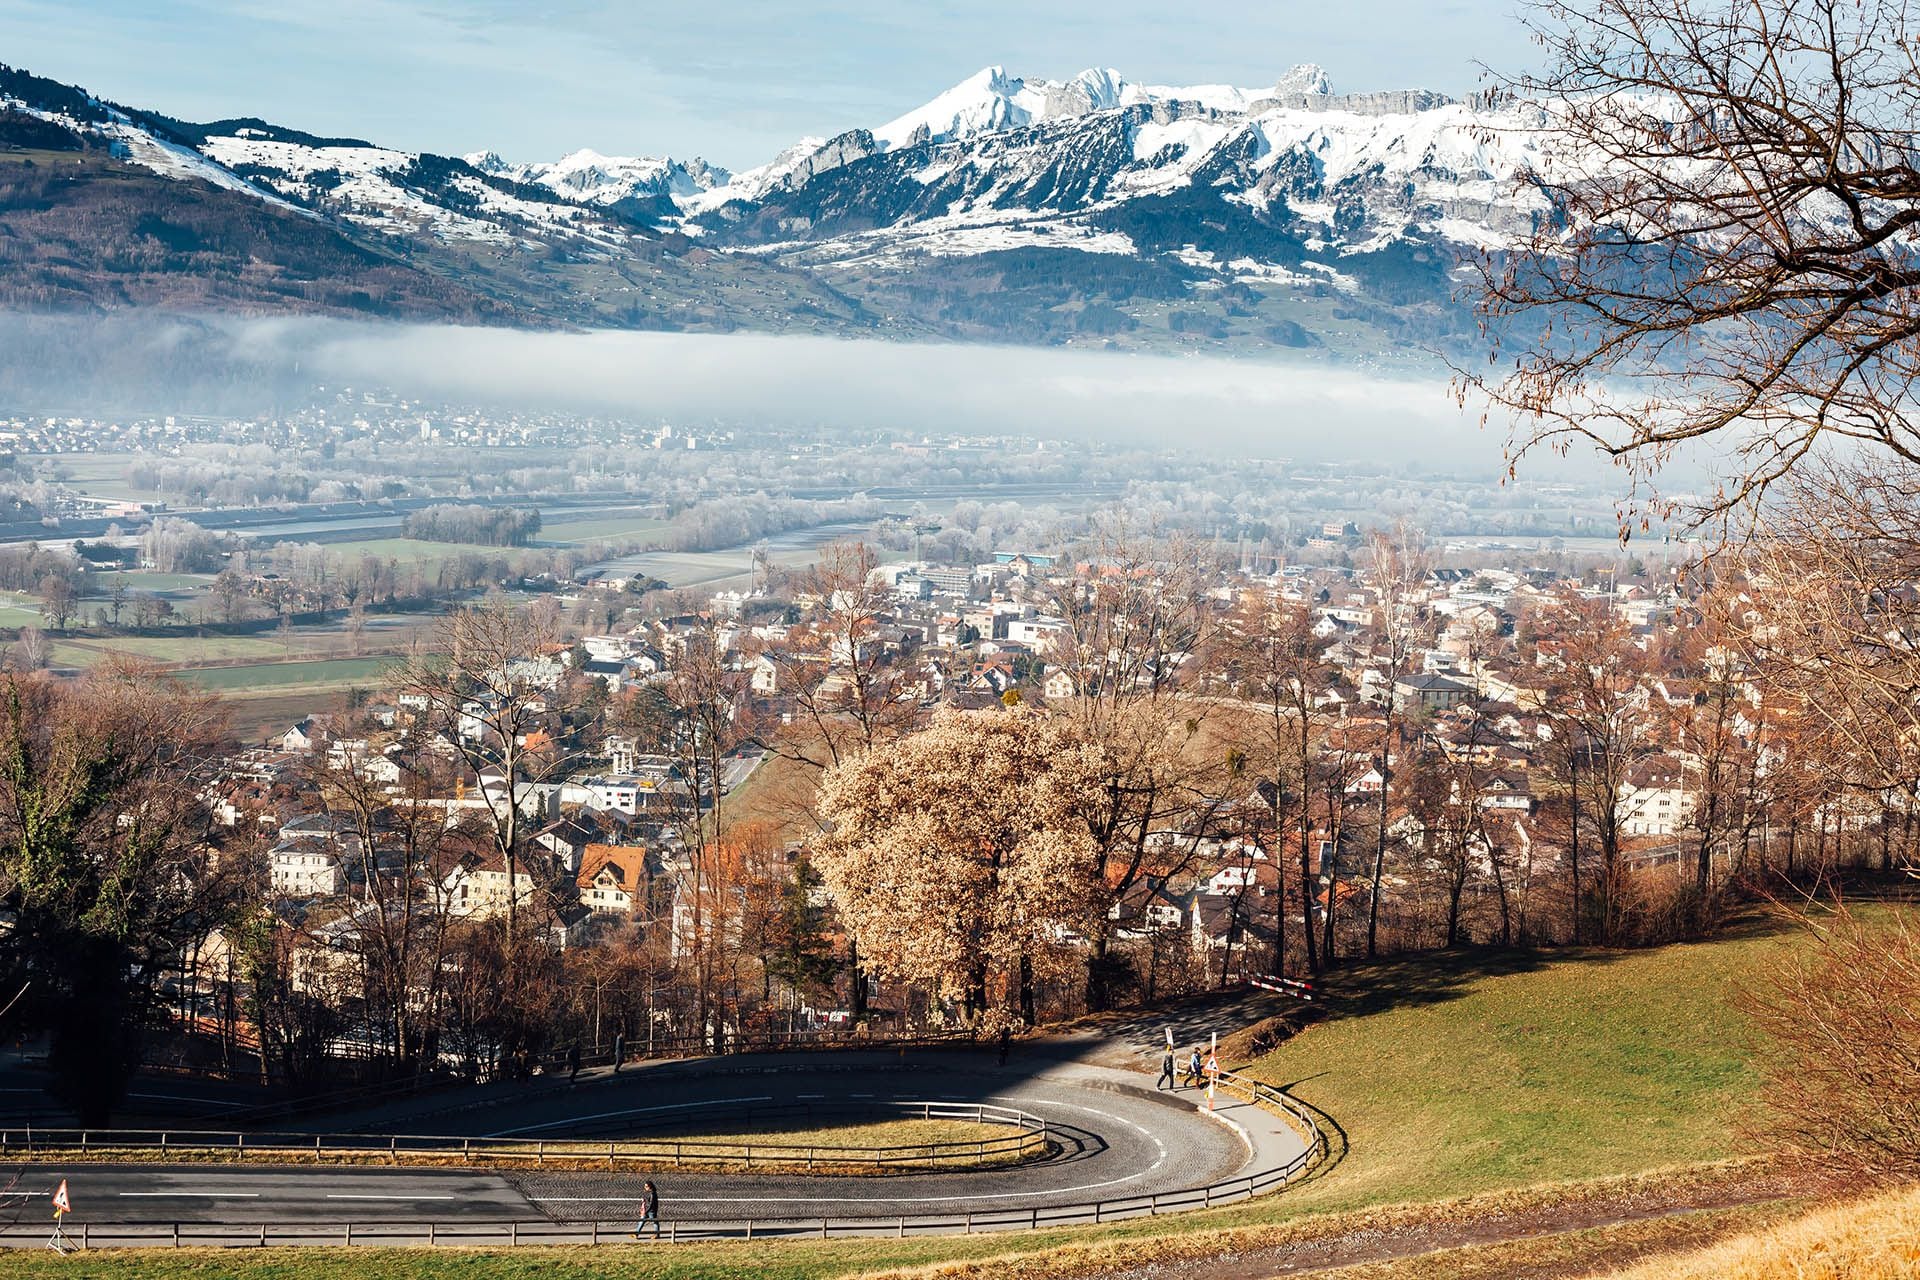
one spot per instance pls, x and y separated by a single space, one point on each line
732 81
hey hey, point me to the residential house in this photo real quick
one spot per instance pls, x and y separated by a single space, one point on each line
1655 799
614 879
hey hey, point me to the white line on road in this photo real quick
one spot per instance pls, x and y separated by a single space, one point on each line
198 1195
348 1196
1160 1158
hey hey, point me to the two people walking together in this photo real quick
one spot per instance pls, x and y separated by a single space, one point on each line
1196 1071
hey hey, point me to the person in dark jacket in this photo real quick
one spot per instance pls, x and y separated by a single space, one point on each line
1167 1080
573 1063
649 1210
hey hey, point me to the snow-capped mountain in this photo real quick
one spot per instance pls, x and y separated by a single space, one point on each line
591 178
1054 164
1092 207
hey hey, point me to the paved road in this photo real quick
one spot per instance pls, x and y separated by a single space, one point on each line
1117 1136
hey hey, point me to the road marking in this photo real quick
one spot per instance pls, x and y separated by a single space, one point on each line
631 1111
1038 1193
348 1196
199 1195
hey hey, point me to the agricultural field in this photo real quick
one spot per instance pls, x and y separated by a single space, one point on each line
414 550
173 649
331 673
19 610
604 526
147 580
99 475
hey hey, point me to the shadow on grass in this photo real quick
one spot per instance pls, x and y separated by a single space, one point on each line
1435 977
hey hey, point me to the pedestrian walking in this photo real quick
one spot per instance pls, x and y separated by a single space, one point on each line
1193 1068
649 1210
1006 1038
619 1051
1167 1080
573 1062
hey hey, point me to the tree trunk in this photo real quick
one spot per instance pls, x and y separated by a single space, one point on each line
1380 845
1573 843
1330 872
856 984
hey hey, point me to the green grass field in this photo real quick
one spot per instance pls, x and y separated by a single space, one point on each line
146 580
1449 1075
1469 1073
326 673
18 610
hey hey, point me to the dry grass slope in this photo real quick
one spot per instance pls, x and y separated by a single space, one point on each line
1876 1239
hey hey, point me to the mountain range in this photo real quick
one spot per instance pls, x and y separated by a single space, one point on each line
1091 211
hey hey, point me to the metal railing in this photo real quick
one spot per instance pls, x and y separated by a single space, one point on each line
477 1234
1029 1140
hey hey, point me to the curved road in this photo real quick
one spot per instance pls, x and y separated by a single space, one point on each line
1119 1138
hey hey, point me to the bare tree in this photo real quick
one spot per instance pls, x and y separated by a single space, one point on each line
1399 566
487 685
843 682
1842 1075
1600 728
1279 666
32 651
704 698
1136 622
1728 252
398 832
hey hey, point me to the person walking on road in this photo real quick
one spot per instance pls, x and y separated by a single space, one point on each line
573 1063
1006 1038
1167 1079
649 1210
1193 1068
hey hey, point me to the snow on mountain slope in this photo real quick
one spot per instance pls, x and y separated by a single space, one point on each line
397 191
1293 169
990 100
132 143
592 178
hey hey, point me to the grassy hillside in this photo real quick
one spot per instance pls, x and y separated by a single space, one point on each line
1453 1075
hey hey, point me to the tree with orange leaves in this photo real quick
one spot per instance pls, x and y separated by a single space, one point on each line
961 857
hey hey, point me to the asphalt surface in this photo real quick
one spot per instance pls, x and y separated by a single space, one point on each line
1116 1137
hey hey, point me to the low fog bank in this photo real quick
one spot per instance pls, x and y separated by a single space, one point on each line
1220 404
132 363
